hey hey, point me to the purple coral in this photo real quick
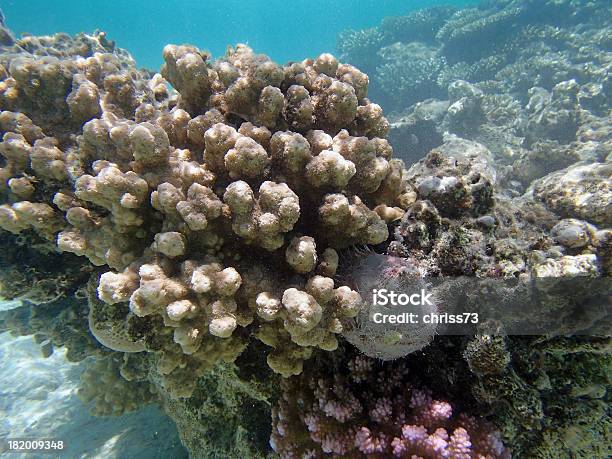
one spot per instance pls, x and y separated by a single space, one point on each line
367 409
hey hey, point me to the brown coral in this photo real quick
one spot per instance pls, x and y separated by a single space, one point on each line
284 164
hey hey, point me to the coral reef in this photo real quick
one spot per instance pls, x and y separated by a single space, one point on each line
28 271
211 233
548 396
229 411
518 108
567 194
59 323
513 45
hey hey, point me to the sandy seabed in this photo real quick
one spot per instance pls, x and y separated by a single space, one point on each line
38 400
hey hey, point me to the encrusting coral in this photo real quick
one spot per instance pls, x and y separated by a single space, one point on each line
228 413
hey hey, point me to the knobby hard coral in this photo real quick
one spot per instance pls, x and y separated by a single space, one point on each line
366 409
176 193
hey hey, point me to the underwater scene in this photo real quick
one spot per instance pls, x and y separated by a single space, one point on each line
310 229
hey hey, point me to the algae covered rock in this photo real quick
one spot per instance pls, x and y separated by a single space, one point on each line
580 191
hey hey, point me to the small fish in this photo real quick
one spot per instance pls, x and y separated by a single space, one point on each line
1 17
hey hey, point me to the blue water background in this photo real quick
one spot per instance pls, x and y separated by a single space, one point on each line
285 30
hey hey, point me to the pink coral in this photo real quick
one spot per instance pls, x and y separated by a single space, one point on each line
368 409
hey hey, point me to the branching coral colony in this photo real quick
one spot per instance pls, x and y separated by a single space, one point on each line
190 230
215 213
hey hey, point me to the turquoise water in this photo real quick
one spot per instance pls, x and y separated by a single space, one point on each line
285 30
